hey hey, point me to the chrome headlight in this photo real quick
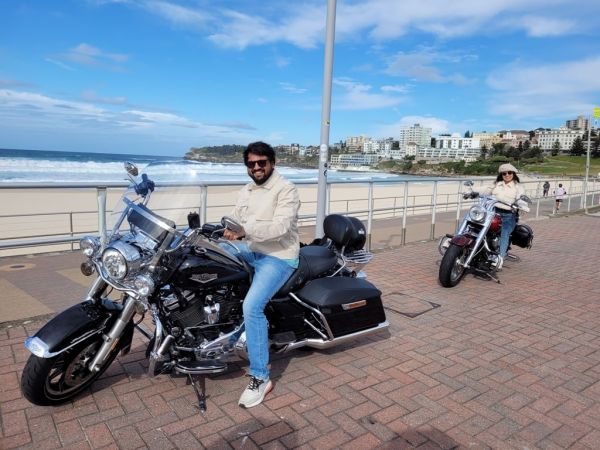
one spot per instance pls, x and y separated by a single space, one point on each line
477 213
120 259
89 245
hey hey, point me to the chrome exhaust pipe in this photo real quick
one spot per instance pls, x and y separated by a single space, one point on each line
321 344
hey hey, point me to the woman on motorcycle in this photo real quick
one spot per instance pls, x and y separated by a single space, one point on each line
507 189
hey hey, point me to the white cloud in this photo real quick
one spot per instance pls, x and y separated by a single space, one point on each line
436 124
28 109
302 24
538 26
420 66
299 26
92 97
59 64
179 15
545 91
282 61
289 87
402 89
88 55
357 96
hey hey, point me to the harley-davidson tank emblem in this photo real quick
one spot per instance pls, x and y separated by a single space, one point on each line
204 277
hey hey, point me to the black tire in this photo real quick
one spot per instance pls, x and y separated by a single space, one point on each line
52 381
451 271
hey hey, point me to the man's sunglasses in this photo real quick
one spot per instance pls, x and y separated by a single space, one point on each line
507 173
262 163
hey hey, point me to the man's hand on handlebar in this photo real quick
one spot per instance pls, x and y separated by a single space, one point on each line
233 235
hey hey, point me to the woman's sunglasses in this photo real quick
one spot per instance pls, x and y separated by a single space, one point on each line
262 163
503 173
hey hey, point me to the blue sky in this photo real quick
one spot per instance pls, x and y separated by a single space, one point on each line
158 77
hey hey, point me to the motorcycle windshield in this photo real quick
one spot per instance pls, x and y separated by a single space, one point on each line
177 193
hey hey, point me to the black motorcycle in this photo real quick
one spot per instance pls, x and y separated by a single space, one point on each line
193 288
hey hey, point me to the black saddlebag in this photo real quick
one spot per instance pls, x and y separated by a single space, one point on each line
348 304
522 236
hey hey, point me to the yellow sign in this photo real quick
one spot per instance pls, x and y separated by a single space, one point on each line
596 113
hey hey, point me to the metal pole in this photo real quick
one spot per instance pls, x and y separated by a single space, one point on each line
325 118
587 165
433 208
203 204
370 216
101 195
404 213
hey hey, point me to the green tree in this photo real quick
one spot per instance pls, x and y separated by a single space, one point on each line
498 149
555 148
577 147
484 151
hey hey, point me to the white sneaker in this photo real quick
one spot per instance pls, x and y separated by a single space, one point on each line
255 392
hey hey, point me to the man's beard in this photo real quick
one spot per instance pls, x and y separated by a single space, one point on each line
262 180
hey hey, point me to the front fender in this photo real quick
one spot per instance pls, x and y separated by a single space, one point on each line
74 325
462 240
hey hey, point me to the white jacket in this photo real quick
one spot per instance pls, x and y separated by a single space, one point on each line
269 215
507 192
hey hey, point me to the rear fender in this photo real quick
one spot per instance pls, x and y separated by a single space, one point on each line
74 325
462 240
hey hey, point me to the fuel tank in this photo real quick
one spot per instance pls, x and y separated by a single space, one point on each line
207 268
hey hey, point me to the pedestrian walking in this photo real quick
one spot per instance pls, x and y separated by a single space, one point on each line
546 187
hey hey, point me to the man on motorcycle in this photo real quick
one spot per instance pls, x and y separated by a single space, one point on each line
507 189
267 208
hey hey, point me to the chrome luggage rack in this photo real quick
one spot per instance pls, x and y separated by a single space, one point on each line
356 260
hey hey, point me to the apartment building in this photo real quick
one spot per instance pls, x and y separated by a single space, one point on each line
421 136
487 139
564 136
456 141
355 144
581 123
354 159
381 146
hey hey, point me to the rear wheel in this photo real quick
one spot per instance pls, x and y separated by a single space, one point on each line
451 268
51 381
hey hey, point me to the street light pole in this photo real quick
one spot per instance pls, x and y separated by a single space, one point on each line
325 118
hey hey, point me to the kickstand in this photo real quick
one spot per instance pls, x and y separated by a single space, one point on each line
485 273
200 393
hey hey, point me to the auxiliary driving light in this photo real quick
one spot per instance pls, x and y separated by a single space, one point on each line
87 268
89 245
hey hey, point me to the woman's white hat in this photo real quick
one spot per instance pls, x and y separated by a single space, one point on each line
507 168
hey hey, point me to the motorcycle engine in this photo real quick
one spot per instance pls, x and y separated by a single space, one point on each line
200 314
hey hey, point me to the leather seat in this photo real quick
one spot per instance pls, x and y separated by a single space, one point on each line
315 260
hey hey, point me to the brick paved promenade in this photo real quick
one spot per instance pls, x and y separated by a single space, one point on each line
510 365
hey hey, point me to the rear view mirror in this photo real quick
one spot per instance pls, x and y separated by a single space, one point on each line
231 224
525 198
131 168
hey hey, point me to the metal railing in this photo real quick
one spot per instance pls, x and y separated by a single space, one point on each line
21 230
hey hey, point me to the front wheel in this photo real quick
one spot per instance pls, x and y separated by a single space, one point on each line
451 268
51 381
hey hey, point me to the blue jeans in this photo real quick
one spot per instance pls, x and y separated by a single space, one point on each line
509 222
270 273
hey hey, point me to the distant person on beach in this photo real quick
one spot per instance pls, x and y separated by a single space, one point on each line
267 208
546 188
559 195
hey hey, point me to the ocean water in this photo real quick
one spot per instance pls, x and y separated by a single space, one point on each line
56 167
